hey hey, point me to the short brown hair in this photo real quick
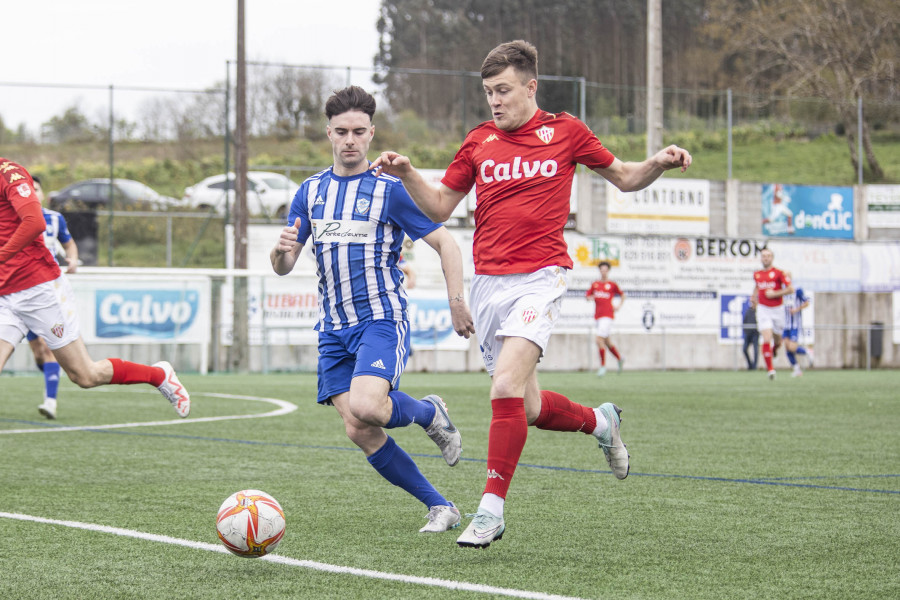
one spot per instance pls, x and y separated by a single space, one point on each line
350 98
518 54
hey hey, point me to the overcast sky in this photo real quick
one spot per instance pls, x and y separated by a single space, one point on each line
181 44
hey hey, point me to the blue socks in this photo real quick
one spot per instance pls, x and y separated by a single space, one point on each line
395 465
51 378
408 410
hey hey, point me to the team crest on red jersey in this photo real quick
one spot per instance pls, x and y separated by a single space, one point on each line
529 315
545 134
24 190
58 330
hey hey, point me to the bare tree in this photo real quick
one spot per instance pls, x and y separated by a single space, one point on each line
840 50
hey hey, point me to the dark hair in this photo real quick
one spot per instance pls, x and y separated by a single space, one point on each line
350 98
603 262
518 54
37 180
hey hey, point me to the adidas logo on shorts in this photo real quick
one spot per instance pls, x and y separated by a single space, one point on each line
378 364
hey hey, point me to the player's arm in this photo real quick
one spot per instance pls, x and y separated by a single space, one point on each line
31 225
71 255
451 264
618 307
287 249
633 176
436 202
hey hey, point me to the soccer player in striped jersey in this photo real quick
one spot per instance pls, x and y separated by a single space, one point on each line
357 222
522 164
794 304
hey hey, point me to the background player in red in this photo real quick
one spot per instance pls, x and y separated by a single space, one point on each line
36 296
522 164
602 293
771 285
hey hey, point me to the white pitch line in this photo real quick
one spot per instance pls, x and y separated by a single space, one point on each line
293 562
285 407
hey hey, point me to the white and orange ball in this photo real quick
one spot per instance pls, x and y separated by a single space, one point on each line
250 523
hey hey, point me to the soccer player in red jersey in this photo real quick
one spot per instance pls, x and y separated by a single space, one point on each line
36 296
602 293
522 165
770 286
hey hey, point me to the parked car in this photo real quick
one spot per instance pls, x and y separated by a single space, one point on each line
268 194
92 194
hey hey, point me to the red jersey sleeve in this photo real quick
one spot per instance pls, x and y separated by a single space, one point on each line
460 175
590 151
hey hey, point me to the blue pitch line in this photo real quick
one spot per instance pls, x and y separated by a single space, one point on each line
773 481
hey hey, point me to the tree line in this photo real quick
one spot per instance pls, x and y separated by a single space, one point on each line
834 50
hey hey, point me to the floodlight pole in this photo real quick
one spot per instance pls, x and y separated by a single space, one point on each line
240 339
112 187
654 77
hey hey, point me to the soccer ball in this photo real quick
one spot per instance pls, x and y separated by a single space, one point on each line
250 523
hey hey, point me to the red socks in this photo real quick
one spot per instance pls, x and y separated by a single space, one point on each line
126 373
603 356
614 351
558 413
506 438
767 354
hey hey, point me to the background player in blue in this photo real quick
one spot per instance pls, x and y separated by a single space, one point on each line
357 222
793 324
60 243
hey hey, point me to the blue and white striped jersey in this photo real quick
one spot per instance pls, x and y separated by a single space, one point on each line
357 225
56 233
795 320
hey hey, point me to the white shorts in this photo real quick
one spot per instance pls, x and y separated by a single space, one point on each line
47 309
524 305
770 317
603 326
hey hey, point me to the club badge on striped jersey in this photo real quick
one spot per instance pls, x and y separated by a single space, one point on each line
363 205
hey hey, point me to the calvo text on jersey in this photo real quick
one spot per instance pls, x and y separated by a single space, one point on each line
491 171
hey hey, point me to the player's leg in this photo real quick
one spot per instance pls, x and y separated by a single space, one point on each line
6 350
515 368
604 327
46 362
51 314
396 466
765 325
381 348
601 353
555 412
12 330
615 352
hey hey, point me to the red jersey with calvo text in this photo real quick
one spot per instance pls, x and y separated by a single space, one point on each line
33 264
770 279
523 182
603 293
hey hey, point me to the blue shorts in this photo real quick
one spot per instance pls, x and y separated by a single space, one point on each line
379 348
791 334
30 336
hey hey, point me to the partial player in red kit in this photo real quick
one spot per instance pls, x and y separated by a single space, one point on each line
36 296
522 164
770 286
602 293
